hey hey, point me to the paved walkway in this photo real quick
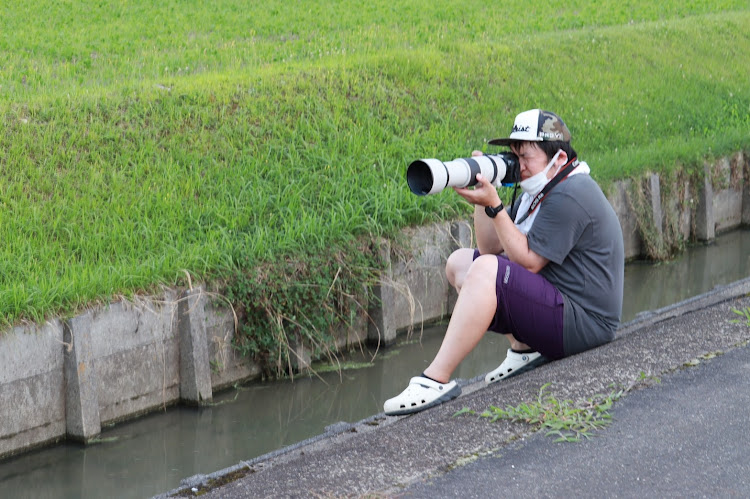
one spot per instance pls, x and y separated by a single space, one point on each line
687 435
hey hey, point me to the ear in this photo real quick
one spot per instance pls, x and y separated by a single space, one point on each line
562 158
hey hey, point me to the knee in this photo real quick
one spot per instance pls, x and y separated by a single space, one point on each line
482 273
457 266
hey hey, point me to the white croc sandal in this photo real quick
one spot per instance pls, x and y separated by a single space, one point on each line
421 394
515 363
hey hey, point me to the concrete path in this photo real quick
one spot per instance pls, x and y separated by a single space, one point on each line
686 435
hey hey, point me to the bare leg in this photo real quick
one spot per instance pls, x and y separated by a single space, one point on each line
456 268
471 317
515 344
458 265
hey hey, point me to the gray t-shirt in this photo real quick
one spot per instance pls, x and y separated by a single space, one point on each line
577 230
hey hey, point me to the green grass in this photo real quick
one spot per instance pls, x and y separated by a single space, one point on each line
744 313
140 140
566 420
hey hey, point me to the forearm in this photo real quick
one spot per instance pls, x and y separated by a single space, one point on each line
498 234
515 243
488 242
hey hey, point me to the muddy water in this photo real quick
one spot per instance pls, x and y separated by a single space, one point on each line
152 454
699 269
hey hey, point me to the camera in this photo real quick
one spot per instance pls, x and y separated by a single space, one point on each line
430 176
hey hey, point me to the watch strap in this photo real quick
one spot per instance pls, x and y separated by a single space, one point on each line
492 212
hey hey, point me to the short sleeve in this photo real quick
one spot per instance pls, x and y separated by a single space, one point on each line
558 226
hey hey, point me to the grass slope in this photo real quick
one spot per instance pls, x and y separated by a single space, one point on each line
139 140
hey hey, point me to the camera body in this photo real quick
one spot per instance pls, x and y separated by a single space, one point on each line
430 176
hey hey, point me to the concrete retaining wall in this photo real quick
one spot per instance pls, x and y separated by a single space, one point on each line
65 379
32 386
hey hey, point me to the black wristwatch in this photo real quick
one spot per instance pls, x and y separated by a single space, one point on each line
492 212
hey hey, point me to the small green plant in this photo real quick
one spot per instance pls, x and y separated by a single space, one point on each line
300 303
216 366
643 379
569 421
744 313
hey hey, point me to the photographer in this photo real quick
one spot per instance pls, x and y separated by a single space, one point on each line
547 273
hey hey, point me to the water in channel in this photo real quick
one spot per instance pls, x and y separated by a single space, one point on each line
150 455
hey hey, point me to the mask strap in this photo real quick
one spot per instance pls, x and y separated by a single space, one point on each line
552 161
572 165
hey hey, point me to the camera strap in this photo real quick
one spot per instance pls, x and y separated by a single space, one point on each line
562 175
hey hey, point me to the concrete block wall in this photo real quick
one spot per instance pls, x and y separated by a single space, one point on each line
729 179
226 364
414 289
32 387
194 366
682 205
136 357
717 202
622 205
65 379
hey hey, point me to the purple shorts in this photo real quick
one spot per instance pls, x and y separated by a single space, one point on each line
529 308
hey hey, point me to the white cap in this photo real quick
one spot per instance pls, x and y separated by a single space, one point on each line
536 126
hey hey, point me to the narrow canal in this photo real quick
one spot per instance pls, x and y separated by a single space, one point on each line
151 455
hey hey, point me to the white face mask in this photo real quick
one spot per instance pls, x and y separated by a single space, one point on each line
534 184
